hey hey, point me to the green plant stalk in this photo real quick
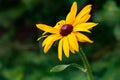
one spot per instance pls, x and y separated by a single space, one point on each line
86 64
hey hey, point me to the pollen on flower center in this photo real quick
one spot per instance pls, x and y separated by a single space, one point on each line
66 29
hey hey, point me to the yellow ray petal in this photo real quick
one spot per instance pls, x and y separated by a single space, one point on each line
84 11
82 38
66 47
84 19
44 33
71 15
73 42
84 27
48 46
71 49
46 40
47 28
60 49
59 24
50 42
41 37
49 38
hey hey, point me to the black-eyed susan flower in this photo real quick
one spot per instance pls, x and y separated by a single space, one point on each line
68 31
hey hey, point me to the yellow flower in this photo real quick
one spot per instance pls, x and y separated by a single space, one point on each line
68 31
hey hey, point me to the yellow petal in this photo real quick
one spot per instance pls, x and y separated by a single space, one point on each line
71 49
84 19
66 47
50 40
41 37
72 14
84 11
59 24
60 49
84 27
73 41
82 38
48 46
44 33
46 40
47 28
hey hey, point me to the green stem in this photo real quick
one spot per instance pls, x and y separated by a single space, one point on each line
86 64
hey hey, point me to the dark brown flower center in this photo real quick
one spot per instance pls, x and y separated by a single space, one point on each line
66 29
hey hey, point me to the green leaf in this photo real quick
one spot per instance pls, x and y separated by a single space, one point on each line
78 66
59 68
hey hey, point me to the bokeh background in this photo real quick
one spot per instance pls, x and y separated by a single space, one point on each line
22 57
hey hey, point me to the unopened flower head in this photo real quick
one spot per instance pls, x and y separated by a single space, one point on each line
68 31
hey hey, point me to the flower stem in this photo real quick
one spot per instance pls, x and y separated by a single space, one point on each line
86 64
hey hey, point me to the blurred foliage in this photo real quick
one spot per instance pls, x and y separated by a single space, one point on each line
22 58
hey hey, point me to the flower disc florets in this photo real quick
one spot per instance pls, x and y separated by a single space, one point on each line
66 29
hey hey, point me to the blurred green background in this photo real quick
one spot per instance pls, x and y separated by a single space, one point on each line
22 57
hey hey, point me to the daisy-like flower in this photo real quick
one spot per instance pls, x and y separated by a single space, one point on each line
68 31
